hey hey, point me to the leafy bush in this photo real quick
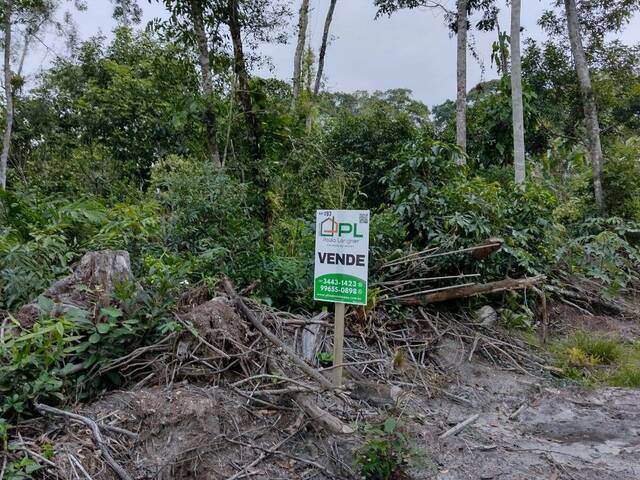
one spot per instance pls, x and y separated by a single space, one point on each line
385 453
584 349
621 174
367 143
444 206
207 216
60 356
605 249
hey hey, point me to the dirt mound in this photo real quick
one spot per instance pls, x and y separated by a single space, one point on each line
189 432
217 326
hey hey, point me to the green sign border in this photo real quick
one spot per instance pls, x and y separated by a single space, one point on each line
341 281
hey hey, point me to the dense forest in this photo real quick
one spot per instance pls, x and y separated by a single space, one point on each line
158 140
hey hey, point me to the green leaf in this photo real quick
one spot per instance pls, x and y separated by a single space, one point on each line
103 327
45 304
94 338
389 425
111 312
60 328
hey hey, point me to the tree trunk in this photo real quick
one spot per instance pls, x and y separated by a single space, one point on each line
516 96
210 120
588 99
461 102
253 124
6 140
244 92
323 46
297 60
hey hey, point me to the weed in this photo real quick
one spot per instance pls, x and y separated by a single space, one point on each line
325 359
626 376
385 453
602 351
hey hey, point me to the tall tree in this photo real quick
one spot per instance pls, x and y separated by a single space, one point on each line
242 76
210 121
8 93
461 76
588 99
303 20
516 95
126 12
323 46
33 16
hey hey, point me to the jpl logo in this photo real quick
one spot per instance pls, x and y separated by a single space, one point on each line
330 228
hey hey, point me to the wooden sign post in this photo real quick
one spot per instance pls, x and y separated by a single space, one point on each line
341 268
338 344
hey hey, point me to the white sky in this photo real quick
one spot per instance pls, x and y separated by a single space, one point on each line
412 49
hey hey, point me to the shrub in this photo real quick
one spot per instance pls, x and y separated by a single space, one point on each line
445 207
604 249
627 376
585 350
621 174
385 453
367 143
207 217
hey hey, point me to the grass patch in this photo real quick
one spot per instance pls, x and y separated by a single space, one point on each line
627 376
598 360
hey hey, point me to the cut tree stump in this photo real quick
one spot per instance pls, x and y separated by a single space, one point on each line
92 282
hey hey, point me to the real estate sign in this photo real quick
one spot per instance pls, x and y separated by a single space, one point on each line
342 256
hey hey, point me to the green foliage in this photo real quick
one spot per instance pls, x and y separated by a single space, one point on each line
444 206
61 355
621 174
516 314
387 234
103 116
490 122
366 142
627 376
385 453
42 236
605 249
602 350
595 359
208 219
33 363
325 359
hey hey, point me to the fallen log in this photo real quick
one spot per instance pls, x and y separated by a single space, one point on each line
465 291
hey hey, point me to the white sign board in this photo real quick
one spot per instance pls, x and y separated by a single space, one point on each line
342 256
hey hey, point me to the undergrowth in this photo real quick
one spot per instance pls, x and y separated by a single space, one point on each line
385 454
598 360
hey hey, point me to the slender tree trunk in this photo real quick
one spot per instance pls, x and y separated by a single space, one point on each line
588 99
210 119
6 140
461 101
303 20
244 92
323 46
253 125
516 95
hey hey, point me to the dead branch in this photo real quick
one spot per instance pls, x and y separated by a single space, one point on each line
472 290
595 300
300 363
460 426
97 436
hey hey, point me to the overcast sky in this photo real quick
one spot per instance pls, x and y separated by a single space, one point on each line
412 49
